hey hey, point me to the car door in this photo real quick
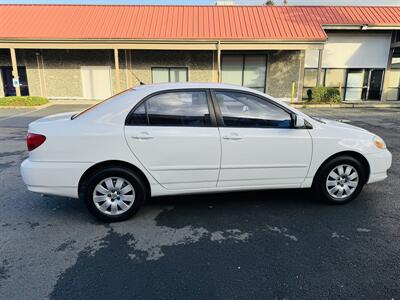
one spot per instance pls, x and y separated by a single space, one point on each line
174 135
260 147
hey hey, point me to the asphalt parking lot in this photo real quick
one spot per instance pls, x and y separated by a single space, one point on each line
269 244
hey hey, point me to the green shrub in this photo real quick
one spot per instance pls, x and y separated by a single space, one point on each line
324 94
23 101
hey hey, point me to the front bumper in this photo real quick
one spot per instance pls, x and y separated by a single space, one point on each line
55 178
379 163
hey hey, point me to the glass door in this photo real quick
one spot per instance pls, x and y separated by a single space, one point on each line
354 84
9 89
375 85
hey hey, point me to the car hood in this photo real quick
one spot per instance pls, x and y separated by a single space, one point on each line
340 124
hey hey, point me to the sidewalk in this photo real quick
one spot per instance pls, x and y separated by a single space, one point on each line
350 104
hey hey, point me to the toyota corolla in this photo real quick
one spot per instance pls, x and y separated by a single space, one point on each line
170 139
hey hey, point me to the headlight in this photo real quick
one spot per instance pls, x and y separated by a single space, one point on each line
379 143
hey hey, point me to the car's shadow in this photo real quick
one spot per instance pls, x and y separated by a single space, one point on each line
272 197
201 209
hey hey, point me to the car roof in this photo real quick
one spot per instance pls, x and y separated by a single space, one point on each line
125 101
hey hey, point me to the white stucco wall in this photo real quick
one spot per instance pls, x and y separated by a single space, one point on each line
356 50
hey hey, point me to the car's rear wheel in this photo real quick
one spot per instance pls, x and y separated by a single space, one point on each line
114 194
340 180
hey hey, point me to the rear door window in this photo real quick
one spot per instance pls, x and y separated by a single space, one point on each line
181 108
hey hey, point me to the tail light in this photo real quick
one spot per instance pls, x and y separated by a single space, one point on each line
34 140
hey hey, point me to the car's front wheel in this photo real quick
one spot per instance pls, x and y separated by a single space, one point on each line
114 194
340 180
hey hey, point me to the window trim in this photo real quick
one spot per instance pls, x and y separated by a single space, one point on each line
169 72
219 116
213 122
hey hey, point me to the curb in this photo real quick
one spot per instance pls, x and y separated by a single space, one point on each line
54 102
33 107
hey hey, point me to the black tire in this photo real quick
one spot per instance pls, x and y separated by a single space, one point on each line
124 173
320 182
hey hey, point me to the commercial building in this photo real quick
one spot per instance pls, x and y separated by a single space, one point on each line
92 51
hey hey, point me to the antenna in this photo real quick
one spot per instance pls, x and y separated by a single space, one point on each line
137 78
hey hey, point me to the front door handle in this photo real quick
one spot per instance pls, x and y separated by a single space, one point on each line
142 136
232 136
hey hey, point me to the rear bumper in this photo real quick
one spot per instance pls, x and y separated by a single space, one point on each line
379 163
55 178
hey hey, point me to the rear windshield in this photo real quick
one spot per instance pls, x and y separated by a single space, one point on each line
98 104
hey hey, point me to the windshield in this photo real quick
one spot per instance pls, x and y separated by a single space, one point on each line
98 104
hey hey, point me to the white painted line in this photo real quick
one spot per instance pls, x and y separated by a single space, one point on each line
23 114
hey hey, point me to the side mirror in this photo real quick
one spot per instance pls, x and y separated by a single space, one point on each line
299 122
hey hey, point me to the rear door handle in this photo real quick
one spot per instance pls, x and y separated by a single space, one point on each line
142 136
232 136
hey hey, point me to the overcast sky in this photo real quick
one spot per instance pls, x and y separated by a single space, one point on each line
205 2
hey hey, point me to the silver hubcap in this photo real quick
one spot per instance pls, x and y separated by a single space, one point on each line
342 181
113 196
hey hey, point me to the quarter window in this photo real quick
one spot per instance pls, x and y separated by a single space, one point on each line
244 110
189 108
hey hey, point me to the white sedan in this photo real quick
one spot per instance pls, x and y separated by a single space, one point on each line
170 139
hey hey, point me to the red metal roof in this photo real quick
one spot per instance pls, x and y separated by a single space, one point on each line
184 22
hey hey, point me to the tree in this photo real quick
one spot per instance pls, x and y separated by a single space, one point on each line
270 2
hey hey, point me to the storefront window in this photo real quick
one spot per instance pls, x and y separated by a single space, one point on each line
310 80
396 36
232 69
396 58
335 78
245 70
161 75
393 91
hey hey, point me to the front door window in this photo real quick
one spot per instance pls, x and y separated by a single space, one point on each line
245 110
